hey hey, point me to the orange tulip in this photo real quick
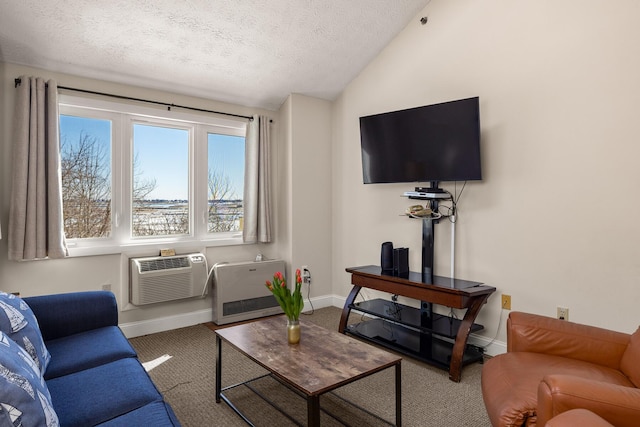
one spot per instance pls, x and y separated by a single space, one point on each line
291 302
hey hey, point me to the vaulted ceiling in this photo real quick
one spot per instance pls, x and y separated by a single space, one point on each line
247 52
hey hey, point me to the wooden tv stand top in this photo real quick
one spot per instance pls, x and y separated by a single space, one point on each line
454 293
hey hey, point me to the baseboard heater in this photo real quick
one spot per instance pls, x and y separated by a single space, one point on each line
239 291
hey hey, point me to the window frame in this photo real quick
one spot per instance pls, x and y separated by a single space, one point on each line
122 117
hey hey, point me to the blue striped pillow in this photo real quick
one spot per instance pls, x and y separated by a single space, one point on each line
19 323
25 398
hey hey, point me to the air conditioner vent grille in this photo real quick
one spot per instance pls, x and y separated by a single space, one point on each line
160 279
163 264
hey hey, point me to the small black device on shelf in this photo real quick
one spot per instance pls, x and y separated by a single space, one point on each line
386 258
394 262
401 262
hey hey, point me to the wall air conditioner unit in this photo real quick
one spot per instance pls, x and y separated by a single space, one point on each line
167 278
239 291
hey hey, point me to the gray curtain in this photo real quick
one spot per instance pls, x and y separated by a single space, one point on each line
36 227
257 181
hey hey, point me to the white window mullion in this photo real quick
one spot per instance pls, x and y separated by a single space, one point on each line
123 172
193 203
199 180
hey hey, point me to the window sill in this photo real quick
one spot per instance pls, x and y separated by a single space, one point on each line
151 248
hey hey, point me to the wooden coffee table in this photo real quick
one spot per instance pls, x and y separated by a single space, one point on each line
323 360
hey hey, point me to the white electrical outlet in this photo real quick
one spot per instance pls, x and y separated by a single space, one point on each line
563 313
306 274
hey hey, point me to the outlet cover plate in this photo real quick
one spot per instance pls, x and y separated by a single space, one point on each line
563 313
506 302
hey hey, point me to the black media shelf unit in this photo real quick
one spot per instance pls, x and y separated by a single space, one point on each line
398 327
418 332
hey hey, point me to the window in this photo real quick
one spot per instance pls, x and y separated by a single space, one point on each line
160 191
136 176
85 151
225 182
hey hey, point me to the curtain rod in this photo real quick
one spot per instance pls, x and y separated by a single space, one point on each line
18 81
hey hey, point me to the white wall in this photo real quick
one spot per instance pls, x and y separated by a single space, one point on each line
311 191
91 273
553 222
304 193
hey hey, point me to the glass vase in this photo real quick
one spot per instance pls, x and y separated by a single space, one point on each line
293 331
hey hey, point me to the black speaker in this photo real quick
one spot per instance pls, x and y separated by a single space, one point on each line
401 262
386 258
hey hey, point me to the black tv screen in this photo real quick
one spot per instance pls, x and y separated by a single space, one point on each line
439 142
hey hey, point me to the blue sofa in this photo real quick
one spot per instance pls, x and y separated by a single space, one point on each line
94 376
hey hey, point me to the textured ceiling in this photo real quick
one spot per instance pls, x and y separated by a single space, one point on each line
247 52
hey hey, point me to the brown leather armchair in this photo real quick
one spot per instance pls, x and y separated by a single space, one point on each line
553 366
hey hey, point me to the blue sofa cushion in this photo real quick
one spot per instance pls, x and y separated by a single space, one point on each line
23 392
99 394
68 314
153 414
19 323
87 350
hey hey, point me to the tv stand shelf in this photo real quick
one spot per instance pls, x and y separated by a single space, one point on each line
430 337
409 341
441 325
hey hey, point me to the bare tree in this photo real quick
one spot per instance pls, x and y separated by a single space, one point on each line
86 187
86 192
225 208
142 187
149 220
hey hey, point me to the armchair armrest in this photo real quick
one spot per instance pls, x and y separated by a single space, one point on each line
540 334
578 417
617 404
60 315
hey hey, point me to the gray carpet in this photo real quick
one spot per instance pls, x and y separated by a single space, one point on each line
187 381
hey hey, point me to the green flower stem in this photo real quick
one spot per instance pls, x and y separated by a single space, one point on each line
291 303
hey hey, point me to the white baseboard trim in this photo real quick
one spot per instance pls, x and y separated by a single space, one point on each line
152 326
161 324
491 347
318 302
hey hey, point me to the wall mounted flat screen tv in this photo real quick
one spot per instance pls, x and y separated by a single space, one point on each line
433 143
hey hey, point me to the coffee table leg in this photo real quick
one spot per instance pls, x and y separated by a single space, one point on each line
313 411
218 368
398 396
